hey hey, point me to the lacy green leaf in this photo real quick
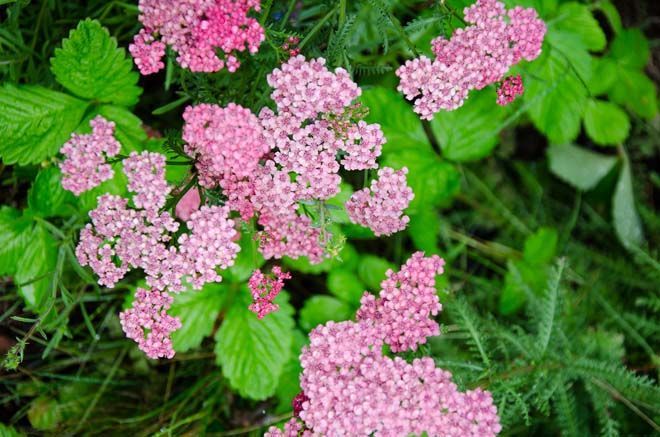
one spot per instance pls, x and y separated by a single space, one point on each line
90 65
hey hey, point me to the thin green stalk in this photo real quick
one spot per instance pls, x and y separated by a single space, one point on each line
317 27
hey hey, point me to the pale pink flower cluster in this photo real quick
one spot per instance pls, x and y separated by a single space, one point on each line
510 88
264 289
188 204
196 30
380 207
351 388
475 56
85 166
149 325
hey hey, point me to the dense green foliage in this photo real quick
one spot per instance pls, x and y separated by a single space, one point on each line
545 211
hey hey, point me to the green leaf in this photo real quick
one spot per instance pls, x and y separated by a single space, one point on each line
576 18
198 311
47 198
248 260
253 352
347 257
35 269
423 230
289 384
44 413
626 221
635 91
15 233
579 167
371 270
470 132
346 285
630 49
540 248
35 122
90 65
9 431
604 71
606 123
116 185
320 309
555 97
612 14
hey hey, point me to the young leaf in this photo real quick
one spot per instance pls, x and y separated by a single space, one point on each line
606 123
14 238
47 198
253 352
90 65
626 221
579 167
319 309
198 311
35 122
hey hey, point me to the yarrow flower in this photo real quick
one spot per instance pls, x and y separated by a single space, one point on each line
85 166
475 56
196 30
149 325
188 204
264 289
381 206
510 88
351 388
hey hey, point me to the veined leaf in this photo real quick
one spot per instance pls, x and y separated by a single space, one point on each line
35 268
577 18
47 197
14 237
198 311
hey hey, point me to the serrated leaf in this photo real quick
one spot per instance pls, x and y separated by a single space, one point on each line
198 311
624 213
90 65
606 123
35 122
253 352
35 268
346 286
577 18
47 198
579 167
15 232
248 260
371 270
470 132
320 309
630 49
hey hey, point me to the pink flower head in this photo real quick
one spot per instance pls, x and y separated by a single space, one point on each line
188 204
84 166
351 388
146 178
475 56
510 88
196 30
149 325
265 289
381 206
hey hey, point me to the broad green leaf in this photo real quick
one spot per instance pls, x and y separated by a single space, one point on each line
612 14
577 18
335 205
346 286
36 268
635 91
289 383
606 123
470 132
44 413
540 247
579 167
555 97
90 65
570 49
423 230
47 198
198 311
35 122
371 270
604 71
248 260
630 49
433 181
253 352
15 234
627 225
319 309
9 431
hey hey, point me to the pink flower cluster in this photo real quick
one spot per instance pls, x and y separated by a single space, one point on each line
510 88
474 57
196 29
85 164
351 388
381 206
264 289
149 325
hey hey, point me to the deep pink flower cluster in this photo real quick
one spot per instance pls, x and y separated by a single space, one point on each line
196 29
351 388
149 325
475 56
85 164
510 88
381 206
264 289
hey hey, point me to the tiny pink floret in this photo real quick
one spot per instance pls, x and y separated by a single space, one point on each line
264 289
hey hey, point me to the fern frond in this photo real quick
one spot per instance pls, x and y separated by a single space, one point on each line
469 321
566 411
549 307
337 44
602 405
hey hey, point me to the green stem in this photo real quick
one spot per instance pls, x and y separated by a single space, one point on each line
342 12
287 15
317 27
